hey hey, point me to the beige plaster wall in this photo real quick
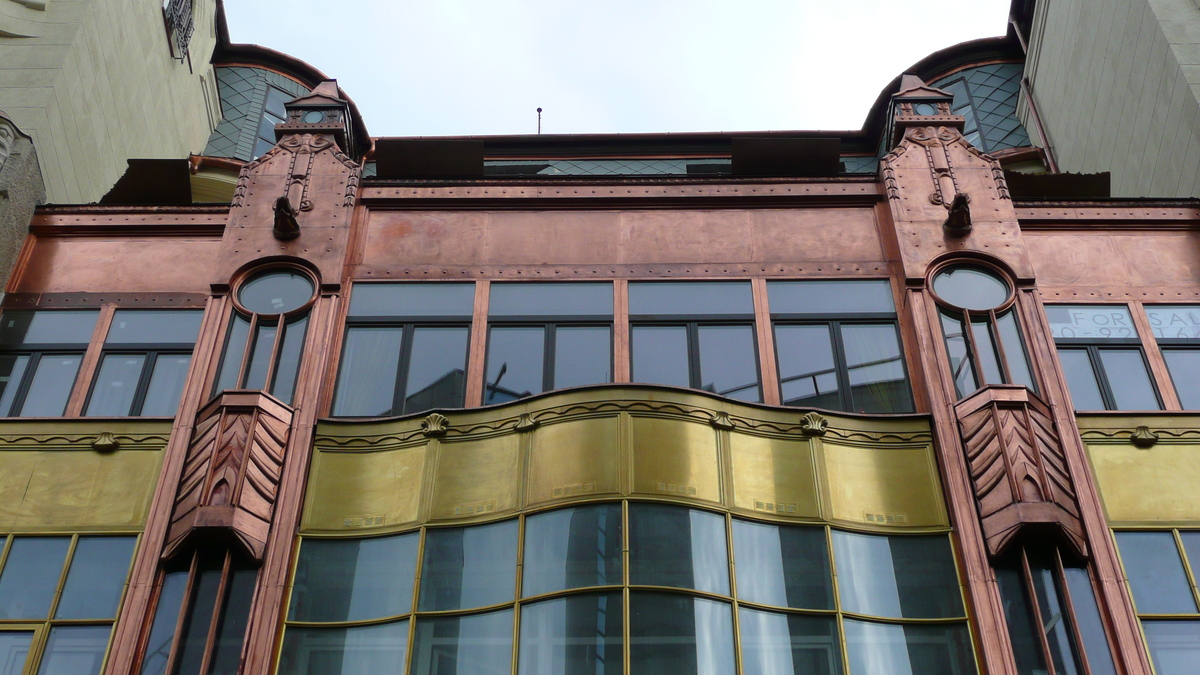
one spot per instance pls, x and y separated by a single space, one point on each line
93 82
1117 84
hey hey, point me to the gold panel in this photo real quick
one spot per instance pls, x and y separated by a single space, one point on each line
477 478
675 458
352 490
574 459
1156 485
883 486
76 489
773 475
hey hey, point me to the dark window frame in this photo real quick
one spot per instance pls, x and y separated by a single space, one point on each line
550 326
35 357
966 318
1093 347
149 350
693 323
1166 345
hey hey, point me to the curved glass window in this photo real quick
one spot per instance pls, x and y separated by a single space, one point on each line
275 292
628 587
970 288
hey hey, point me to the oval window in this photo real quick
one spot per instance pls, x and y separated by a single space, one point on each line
276 292
970 288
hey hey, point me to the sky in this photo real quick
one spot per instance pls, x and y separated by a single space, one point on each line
474 67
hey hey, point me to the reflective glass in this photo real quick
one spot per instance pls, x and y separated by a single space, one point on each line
783 566
198 618
1128 379
354 579
1091 627
572 548
989 361
479 644
467 567
166 616
680 635
728 364
1081 379
807 371
12 369
432 299
436 369
1014 350
360 650
582 355
260 356
970 288
789 644
231 628
14 649
275 292
75 650
551 299
1191 547
287 366
876 369
514 364
166 385
1155 573
1184 365
235 349
1098 322
897 577
154 326
830 297
367 377
660 355
1174 321
575 634
116 385
679 547
49 327
960 358
1174 646
30 576
1055 618
690 297
51 385
1023 631
96 578
890 649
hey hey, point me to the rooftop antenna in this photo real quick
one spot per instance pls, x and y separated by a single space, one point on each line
539 120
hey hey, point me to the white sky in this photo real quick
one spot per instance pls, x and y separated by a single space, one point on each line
456 67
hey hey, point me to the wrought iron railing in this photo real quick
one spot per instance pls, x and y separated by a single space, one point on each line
180 25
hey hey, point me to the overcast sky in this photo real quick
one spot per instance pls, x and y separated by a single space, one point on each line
452 67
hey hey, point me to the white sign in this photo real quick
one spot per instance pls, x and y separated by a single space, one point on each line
1094 322
1174 321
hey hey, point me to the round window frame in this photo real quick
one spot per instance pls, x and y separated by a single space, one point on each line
988 266
242 278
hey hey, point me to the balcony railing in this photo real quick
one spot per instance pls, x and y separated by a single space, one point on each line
180 26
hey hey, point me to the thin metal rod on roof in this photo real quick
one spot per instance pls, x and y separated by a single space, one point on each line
539 120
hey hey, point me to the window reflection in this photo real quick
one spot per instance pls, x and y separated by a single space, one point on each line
671 633
891 649
572 548
790 565
679 547
356 579
480 644
576 634
789 644
345 651
468 567
900 577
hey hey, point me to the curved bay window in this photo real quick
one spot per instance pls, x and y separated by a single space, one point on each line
980 326
616 587
266 335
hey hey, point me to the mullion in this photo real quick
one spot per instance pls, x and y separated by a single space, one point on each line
1060 575
994 330
18 403
1110 401
1031 592
968 334
839 363
406 342
693 339
550 334
247 351
143 385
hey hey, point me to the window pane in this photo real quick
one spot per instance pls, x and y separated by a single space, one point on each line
1023 631
433 299
354 579
262 147
345 651
1091 627
1174 321
96 579
576 634
436 369
480 644
275 100
142 326
898 577
1101 322
889 649
806 367
75 650
231 628
260 356
1056 622
1014 350
198 618
30 576
51 385
1184 365
288 365
876 369
367 379
582 355
727 362
53 327
515 364
690 297
785 644
1081 379
235 348
116 385
275 292
14 649
679 547
989 362
1191 547
830 297
781 565
166 616
660 355
1128 379
970 288
1174 646
1155 572
166 385
12 369
468 567
572 548
960 359
680 635
537 299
